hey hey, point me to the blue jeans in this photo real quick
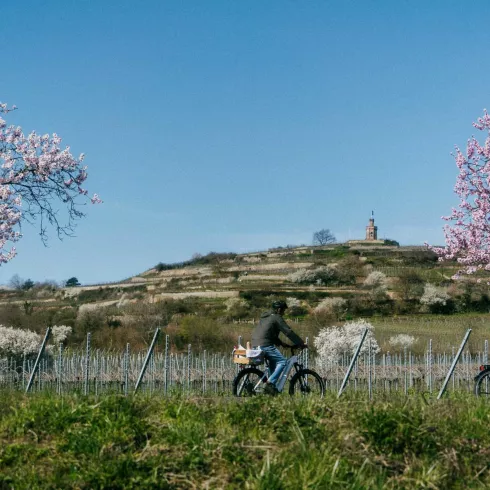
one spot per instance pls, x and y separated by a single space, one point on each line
276 362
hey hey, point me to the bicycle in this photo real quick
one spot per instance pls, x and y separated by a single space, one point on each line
250 381
482 381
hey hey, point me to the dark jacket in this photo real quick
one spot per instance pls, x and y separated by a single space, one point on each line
267 332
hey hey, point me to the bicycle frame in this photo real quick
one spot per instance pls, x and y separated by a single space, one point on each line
285 372
291 363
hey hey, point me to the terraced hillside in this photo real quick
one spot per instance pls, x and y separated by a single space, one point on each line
231 273
225 275
201 299
222 275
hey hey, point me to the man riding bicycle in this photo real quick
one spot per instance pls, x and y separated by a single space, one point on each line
266 337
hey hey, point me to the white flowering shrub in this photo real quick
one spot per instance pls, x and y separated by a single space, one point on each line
376 280
333 342
331 306
434 296
293 302
237 308
319 276
402 341
234 303
435 300
376 286
60 333
16 342
302 276
327 274
295 307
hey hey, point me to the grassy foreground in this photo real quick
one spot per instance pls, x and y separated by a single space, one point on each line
262 443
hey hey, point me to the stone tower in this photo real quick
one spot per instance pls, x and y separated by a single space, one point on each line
371 230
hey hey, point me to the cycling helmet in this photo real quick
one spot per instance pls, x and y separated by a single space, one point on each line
279 305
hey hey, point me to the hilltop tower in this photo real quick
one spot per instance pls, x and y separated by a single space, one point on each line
371 230
371 236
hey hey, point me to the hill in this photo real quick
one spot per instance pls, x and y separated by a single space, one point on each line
224 275
220 289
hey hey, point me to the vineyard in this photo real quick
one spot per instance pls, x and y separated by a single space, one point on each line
159 370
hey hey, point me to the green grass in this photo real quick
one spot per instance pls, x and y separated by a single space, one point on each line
446 331
262 443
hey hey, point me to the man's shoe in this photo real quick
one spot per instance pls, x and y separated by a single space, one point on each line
270 389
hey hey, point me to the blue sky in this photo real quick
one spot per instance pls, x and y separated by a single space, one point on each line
237 126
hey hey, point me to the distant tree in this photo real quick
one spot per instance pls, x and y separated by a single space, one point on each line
410 285
47 284
324 275
335 306
434 298
60 333
323 237
295 308
161 267
402 341
29 284
375 280
72 282
16 281
376 285
349 268
389 241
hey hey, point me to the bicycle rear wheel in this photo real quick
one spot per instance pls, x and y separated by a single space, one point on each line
306 382
246 380
482 385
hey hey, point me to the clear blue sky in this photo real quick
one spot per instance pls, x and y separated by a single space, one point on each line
243 125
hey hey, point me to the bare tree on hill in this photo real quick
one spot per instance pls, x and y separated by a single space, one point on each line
323 237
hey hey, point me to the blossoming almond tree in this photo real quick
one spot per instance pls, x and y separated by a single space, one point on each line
468 236
333 342
35 175
331 306
402 340
16 342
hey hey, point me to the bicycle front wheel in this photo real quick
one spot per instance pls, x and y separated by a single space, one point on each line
306 382
482 385
246 382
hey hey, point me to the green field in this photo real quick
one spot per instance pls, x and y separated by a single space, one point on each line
261 443
446 331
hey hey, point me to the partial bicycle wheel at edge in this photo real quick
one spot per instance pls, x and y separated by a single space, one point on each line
306 382
246 380
482 385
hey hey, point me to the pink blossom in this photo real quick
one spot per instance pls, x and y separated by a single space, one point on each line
35 173
96 199
467 233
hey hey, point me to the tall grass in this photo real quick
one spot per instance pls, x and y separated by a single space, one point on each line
262 443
